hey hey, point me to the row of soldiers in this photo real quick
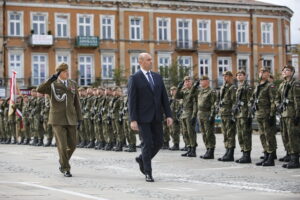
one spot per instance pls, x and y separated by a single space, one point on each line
237 105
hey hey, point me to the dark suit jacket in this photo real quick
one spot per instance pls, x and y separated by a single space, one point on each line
144 104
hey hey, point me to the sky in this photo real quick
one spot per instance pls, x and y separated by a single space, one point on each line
295 25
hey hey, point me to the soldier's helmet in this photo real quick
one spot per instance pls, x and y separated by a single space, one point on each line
227 73
204 78
241 72
289 67
61 67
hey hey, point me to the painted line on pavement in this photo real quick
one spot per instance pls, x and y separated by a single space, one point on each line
60 190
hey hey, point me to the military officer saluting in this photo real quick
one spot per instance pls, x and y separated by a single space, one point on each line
64 115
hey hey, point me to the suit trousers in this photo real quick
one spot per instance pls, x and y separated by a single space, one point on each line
65 137
151 135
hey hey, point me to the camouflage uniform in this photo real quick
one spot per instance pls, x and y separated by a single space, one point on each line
264 100
98 124
189 113
288 102
175 128
225 101
206 107
26 121
128 132
47 127
82 129
243 121
87 121
106 117
2 133
18 120
117 123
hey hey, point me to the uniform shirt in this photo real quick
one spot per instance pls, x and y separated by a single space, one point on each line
243 96
226 99
206 101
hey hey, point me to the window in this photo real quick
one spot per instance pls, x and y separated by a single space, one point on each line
39 23
134 63
39 67
223 35
184 33
164 62
163 29
268 62
107 27
136 28
205 65
16 63
224 64
287 35
243 64
15 23
185 66
62 25
63 57
86 64
85 25
267 33
203 30
242 32
107 66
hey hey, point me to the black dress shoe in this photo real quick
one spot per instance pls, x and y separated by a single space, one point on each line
149 178
67 174
141 164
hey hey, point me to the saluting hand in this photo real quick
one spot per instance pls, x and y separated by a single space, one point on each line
55 76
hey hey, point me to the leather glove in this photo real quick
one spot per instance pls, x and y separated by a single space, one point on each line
180 84
55 76
297 120
272 120
79 124
193 120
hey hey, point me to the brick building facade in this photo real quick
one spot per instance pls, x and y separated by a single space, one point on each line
95 37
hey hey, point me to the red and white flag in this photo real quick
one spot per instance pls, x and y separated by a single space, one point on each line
13 93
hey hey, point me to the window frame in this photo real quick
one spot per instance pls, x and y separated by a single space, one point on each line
46 67
168 27
20 74
208 57
271 32
169 57
190 33
64 53
141 27
113 65
208 30
91 16
137 67
112 27
21 23
92 69
32 14
246 31
56 15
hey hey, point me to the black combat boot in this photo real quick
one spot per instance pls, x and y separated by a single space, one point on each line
221 159
185 148
206 153
21 141
210 154
294 162
8 141
131 148
82 144
91 144
186 153
265 158
192 152
102 145
14 140
238 160
40 142
26 141
229 156
175 147
246 157
270 162
3 140
108 147
97 145
286 158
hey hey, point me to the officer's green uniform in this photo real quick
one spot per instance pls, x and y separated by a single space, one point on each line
64 114
264 97
288 100
243 120
206 107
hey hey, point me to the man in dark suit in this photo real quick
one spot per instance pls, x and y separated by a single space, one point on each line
147 100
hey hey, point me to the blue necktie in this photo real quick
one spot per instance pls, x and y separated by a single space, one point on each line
150 80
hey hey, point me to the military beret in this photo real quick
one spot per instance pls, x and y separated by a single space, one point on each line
227 73
241 72
204 78
61 67
173 88
187 78
264 69
289 67
33 90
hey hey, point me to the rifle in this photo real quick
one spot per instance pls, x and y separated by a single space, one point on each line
239 103
285 101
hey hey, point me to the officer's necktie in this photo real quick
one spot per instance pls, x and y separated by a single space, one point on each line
150 80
